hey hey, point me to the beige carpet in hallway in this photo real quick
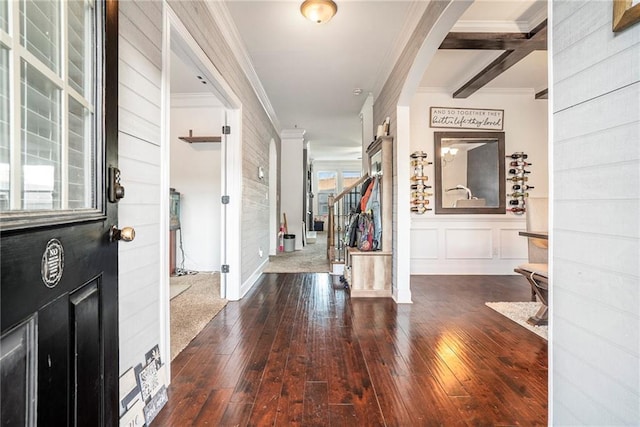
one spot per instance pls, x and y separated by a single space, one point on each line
192 309
311 259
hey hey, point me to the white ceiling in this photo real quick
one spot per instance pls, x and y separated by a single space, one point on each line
309 71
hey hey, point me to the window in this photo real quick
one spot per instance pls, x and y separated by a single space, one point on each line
349 178
333 182
48 102
327 184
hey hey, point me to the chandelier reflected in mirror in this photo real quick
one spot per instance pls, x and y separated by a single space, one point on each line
448 154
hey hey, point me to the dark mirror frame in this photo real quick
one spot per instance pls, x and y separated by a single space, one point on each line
438 137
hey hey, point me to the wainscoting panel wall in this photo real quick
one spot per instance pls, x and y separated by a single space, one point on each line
510 244
471 244
465 243
424 243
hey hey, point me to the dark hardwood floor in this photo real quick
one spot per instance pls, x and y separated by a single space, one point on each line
296 351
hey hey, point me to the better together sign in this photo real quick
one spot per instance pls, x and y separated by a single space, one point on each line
466 118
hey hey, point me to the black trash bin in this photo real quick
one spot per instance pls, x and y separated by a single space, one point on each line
318 225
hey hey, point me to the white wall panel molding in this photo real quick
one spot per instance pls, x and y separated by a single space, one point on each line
421 267
511 245
468 243
431 220
424 243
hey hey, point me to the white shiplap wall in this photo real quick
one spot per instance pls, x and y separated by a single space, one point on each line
140 77
140 116
386 105
596 217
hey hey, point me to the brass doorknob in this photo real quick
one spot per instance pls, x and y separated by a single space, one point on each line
127 234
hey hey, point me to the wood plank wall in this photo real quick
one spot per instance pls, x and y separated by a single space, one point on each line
596 211
386 103
140 76
257 132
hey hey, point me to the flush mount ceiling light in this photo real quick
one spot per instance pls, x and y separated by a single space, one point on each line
318 11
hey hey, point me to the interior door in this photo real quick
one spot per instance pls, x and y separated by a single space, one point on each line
58 206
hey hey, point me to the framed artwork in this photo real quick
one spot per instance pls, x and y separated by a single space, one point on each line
625 14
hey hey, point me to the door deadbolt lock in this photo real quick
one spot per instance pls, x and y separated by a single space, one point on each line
127 234
116 190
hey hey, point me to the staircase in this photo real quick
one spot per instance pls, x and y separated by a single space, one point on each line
340 209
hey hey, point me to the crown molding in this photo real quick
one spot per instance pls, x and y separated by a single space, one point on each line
292 134
537 19
223 19
492 27
414 14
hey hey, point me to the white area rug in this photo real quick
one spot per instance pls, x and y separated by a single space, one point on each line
519 312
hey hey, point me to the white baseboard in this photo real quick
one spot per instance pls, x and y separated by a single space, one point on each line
248 284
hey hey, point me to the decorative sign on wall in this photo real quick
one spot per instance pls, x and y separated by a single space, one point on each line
143 391
466 118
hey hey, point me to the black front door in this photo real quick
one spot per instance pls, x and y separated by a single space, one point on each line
58 260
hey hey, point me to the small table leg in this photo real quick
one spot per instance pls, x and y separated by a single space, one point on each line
541 316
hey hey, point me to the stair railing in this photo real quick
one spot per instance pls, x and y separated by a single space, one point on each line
340 208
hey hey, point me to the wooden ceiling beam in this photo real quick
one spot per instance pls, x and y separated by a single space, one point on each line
489 41
543 94
505 61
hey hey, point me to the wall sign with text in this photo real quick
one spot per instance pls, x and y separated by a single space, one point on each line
466 118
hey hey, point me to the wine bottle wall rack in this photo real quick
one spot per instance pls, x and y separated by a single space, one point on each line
519 181
420 189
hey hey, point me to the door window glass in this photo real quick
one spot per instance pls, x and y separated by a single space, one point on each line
4 13
48 101
4 128
40 31
40 141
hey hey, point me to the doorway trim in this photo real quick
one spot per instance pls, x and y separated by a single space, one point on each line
274 221
176 33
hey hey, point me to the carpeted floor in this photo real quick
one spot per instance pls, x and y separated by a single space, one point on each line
519 312
311 259
192 309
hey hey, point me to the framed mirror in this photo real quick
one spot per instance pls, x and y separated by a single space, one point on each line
470 175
